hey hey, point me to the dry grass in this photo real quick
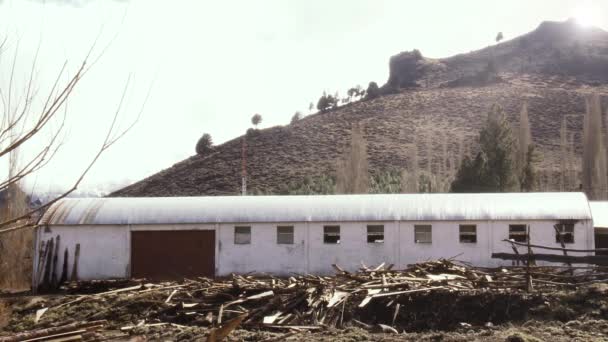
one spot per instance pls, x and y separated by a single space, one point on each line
310 147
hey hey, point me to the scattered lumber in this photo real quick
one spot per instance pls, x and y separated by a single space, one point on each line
376 298
63 331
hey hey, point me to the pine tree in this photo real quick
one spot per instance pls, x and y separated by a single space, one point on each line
352 176
204 144
497 144
471 176
493 169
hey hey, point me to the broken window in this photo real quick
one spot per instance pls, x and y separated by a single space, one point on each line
285 235
468 233
423 234
517 233
242 235
375 234
566 230
331 234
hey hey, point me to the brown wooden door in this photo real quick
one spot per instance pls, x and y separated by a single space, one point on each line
175 254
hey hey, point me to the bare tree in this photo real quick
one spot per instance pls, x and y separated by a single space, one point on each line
22 122
411 183
352 170
525 136
429 154
572 163
564 155
594 152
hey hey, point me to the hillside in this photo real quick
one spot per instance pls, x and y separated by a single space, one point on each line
438 103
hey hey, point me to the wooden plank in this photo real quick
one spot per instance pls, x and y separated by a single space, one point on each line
558 248
387 294
586 259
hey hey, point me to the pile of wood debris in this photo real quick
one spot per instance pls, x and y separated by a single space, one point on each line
378 298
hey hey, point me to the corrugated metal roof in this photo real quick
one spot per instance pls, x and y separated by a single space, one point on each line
599 210
332 208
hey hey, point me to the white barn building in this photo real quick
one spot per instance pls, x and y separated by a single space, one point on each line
214 236
599 211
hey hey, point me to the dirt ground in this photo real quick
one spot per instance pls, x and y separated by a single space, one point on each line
530 331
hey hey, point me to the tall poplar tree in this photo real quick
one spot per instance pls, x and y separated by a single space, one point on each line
594 152
352 176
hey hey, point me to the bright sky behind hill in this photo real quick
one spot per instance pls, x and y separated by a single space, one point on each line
213 64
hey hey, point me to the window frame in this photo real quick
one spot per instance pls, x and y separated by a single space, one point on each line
237 233
562 227
291 234
462 233
516 235
430 233
372 234
327 234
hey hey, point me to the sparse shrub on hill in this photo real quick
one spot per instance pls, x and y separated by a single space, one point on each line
372 91
297 116
256 119
204 144
499 37
322 185
355 92
251 132
327 102
387 182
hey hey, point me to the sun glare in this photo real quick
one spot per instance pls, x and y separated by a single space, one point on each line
587 16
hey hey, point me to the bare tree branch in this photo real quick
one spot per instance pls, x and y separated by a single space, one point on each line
16 129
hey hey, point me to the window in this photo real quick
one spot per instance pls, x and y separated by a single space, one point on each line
566 230
468 233
242 235
375 234
285 235
331 234
423 234
517 233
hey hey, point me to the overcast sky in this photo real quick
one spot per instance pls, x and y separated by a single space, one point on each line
212 64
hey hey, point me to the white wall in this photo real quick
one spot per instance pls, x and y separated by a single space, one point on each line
445 243
105 250
353 248
263 254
